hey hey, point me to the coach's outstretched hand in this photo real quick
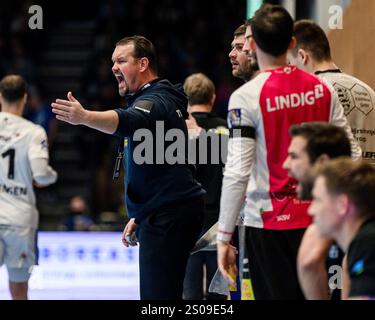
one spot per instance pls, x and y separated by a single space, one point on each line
70 110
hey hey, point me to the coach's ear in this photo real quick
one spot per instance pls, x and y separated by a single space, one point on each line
143 63
25 98
1 99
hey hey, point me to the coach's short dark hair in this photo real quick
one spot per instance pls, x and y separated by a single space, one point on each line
143 48
322 138
12 88
312 38
272 29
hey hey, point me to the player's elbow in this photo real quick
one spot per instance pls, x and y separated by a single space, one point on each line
236 176
47 179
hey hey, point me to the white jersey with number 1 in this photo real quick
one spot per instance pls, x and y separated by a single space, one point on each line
20 142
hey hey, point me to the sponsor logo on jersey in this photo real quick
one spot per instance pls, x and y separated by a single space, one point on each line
5 139
14 191
234 117
368 155
295 100
284 217
44 144
345 97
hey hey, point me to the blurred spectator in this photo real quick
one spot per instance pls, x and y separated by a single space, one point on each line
39 112
78 218
3 56
110 221
21 64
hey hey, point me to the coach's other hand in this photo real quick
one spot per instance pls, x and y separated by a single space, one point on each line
130 227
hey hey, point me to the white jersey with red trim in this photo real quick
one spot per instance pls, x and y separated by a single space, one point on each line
263 110
358 100
21 141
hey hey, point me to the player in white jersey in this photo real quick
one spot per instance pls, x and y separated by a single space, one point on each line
242 67
23 162
260 115
313 54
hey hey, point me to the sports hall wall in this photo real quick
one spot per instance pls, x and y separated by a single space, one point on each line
353 47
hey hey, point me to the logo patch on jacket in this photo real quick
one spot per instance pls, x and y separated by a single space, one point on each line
144 105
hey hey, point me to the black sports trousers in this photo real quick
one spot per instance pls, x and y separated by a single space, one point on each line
273 263
166 238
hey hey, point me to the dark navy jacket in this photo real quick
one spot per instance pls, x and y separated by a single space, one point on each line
149 187
210 175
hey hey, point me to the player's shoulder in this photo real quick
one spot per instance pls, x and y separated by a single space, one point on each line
344 81
32 127
29 128
313 78
324 81
249 92
367 231
253 86
16 120
354 83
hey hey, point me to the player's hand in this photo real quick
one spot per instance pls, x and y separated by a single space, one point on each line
226 259
130 227
70 110
40 186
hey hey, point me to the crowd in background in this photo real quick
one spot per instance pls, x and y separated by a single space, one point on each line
187 42
190 37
